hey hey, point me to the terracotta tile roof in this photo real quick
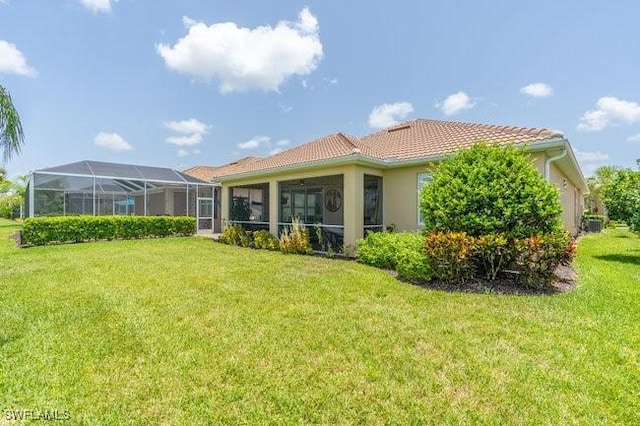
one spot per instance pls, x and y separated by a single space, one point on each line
410 140
331 146
208 173
423 138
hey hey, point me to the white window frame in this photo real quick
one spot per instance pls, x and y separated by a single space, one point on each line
421 179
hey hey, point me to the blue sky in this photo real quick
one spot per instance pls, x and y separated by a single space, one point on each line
180 83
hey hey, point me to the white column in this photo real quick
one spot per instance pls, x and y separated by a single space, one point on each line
32 194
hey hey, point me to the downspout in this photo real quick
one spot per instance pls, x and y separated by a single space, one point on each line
548 161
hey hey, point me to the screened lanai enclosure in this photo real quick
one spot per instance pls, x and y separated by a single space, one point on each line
98 188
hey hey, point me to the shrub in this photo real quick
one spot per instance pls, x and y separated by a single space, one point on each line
235 235
491 254
380 249
265 240
449 255
64 229
412 265
10 206
536 258
295 240
490 190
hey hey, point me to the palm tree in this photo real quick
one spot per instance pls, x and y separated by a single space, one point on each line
598 183
11 135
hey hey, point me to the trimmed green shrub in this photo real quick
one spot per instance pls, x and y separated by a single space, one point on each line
490 190
491 253
65 229
536 258
412 265
235 235
450 255
265 240
380 249
295 239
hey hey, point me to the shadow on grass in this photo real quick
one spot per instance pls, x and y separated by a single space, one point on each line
621 258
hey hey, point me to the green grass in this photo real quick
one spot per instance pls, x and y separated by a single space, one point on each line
186 331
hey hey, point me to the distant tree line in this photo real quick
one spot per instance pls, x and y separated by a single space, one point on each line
619 190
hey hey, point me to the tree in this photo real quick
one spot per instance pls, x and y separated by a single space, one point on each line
489 189
597 185
11 134
622 197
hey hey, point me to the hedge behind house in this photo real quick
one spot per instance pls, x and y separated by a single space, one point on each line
39 231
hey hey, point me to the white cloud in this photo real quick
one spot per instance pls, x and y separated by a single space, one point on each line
285 108
609 110
634 138
537 90
12 61
98 6
331 81
386 115
255 142
283 142
591 156
189 140
246 58
191 131
188 22
275 151
188 126
112 141
455 103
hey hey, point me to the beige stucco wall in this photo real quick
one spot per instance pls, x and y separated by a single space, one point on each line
401 197
570 198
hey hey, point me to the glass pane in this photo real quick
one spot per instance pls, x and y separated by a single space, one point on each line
372 200
206 208
423 179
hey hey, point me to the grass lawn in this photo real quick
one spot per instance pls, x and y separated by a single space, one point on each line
186 331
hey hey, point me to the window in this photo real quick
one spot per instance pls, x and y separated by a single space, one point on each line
372 204
423 179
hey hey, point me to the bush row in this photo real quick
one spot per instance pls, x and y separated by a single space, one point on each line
531 261
294 239
236 235
64 229
402 252
455 257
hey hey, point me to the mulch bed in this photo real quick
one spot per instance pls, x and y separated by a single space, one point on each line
566 280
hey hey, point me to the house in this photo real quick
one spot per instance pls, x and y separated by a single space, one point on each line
346 186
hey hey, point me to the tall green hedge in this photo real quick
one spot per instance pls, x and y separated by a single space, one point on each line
39 231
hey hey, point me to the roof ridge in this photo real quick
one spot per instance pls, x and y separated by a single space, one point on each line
349 139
